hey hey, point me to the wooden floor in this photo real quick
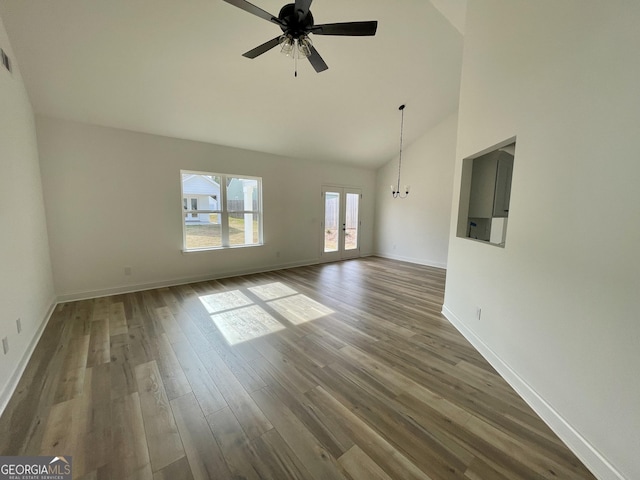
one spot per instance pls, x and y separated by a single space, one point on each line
343 370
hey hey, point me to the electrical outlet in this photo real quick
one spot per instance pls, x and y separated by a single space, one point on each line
19 325
127 271
5 345
478 313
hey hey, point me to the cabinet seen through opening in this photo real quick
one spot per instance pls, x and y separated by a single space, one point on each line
485 195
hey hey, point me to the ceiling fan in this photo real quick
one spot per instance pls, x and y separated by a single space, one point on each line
296 22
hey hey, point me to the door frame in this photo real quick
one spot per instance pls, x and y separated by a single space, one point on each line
340 253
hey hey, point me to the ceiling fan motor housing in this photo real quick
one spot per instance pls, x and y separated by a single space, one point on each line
294 25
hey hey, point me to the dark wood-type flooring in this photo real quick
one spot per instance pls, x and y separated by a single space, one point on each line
379 386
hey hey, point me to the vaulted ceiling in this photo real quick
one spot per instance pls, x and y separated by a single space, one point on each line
175 68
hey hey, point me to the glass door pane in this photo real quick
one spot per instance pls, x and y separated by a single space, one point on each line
351 221
331 221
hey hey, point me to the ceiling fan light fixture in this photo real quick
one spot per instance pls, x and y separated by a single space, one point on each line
304 46
287 45
293 47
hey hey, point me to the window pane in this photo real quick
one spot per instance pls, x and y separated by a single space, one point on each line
243 229
242 194
331 220
201 190
351 225
203 235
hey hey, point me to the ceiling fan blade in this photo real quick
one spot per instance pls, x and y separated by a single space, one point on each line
249 7
316 60
355 29
265 47
302 8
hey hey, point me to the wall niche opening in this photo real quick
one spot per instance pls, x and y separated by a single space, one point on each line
485 194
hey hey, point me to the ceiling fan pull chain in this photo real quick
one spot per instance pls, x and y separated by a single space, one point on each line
295 73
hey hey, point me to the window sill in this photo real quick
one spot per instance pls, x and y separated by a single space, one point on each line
217 249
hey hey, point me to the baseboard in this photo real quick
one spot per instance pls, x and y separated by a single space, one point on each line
418 261
88 294
12 384
592 459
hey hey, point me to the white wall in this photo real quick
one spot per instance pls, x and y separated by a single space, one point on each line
113 200
559 302
416 229
26 287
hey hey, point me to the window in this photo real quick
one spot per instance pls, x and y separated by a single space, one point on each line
220 210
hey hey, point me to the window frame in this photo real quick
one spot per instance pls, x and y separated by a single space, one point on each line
223 210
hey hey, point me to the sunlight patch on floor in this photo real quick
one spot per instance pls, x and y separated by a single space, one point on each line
299 309
271 291
220 302
239 319
246 323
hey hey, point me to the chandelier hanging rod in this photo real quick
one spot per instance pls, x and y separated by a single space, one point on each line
395 189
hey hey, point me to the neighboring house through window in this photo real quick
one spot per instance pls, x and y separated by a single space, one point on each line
220 210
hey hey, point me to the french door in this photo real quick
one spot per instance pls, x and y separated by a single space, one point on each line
341 223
